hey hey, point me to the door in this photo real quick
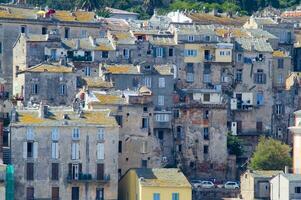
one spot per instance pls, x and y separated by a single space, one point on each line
75 193
99 194
264 190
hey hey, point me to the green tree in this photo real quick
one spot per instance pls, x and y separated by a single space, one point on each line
270 154
89 4
234 145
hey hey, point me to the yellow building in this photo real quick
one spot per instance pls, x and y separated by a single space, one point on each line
154 184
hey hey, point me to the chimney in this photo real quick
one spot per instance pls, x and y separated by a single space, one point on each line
77 45
43 111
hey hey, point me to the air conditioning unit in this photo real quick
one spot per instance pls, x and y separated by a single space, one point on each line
234 128
233 105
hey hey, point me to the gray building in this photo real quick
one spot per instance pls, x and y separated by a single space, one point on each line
61 154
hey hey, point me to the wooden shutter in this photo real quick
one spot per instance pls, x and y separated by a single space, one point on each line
77 155
29 171
100 151
24 149
55 134
55 171
239 127
55 193
69 169
30 193
35 150
73 154
54 150
80 168
100 171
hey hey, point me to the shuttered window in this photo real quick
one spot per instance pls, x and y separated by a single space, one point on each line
29 193
55 134
100 151
55 150
55 193
29 171
75 151
100 171
55 171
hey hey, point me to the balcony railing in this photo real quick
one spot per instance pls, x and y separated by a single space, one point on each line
88 178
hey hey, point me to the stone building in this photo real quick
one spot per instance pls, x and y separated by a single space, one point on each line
140 143
200 126
58 153
16 20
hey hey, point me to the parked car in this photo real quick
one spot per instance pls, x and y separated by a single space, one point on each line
207 184
196 183
231 185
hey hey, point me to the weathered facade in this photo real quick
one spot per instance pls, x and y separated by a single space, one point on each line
61 154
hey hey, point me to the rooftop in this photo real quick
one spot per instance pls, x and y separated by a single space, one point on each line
97 82
118 11
292 177
280 54
49 68
55 118
101 44
161 177
250 44
265 173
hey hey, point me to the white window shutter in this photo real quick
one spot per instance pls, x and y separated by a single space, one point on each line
100 151
24 149
77 151
35 150
73 151
55 150
55 134
29 134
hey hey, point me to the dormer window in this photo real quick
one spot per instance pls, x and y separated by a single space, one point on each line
190 38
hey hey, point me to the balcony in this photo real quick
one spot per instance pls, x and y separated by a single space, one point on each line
88 178
81 58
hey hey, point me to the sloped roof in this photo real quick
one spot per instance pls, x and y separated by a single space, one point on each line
161 177
49 68
102 44
109 99
292 177
124 37
122 69
55 117
162 40
97 82
264 20
265 173
259 33
250 44
118 11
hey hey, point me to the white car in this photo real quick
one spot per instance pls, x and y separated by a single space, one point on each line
196 183
231 185
207 184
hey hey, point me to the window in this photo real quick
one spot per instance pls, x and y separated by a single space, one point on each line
161 82
55 193
239 75
156 196
126 53
75 134
170 52
206 149
75 193
87 71
74 170
280 63
161 135
239 127
190 38
55 171
119 119
53 54
75 151
23 29
259 99
83 33
239 57
100 151
62 89
99 194
0 47
145 109
29 193
144 163
260 77
55 150
159 52
259 127
29 171
104 54
162 117
101 134
55 134
30 149
298 190
175 196
189 77
176 113
100 171
206 97
191 53
279 109
148 82
120 147
206 114
29 134
207 38
221 53
280 79
44 30
144 122
34 88
206 133
67 32
161 100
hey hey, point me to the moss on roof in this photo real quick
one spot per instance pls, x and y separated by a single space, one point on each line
122 69
55 117
109 99
162 177
50 68
97 83
279 54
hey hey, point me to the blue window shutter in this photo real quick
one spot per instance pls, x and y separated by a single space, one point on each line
154 52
